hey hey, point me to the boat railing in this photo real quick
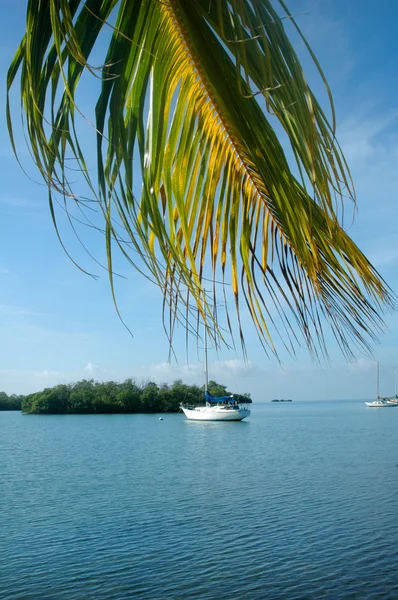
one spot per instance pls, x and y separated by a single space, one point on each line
235 406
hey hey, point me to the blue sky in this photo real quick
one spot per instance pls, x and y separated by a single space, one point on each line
59 325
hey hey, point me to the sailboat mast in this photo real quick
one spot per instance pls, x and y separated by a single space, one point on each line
395 383
206 370
378 378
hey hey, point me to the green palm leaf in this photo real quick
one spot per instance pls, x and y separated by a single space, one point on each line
192 95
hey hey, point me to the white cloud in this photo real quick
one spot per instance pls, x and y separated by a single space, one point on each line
17 311
366 138
383 251
227 372
166 371
90 368
94 370
27 381
235 367
47 375
362 365
370 145
18 202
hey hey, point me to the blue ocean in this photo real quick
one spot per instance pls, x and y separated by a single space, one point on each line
298 502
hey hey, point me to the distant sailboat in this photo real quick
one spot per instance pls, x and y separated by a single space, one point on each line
394 398
216 408
380 402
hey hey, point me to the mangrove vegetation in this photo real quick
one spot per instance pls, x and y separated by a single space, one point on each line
12 402
89 396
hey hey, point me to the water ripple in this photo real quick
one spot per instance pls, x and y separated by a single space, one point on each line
295 504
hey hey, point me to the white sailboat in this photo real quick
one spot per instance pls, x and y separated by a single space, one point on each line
222 408
394 398
380 402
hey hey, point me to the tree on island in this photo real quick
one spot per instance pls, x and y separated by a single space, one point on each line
216 389
200 101
12 402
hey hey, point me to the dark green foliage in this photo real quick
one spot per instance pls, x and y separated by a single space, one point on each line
216 389
89 396
10 402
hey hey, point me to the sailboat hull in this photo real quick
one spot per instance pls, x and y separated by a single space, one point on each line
381 404
215 413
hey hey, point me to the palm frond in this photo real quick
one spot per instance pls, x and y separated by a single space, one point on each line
192 94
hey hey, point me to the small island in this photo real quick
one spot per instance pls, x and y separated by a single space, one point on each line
282 400
92 397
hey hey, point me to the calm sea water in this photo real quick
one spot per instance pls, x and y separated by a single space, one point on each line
300 501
